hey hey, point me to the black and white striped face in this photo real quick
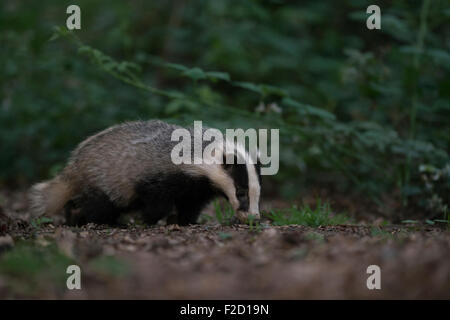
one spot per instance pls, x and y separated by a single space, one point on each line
239 181
247 188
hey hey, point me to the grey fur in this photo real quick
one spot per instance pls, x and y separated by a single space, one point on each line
114 161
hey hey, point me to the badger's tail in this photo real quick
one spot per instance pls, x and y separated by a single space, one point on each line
49 197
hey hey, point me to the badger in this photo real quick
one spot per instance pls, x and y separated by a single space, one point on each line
128 167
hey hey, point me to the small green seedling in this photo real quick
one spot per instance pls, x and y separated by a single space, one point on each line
109 266
40 221
224 215
316 237
254 224
225 236
321 215
379 232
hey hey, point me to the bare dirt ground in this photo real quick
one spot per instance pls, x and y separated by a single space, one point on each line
211 261
233 262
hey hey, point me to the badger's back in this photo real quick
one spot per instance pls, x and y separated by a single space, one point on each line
115 160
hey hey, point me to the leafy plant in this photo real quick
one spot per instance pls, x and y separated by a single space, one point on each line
446 221
314 236
436 186
358 112
27 267
321 215
254 224
40 221
223 213
225 236
109 266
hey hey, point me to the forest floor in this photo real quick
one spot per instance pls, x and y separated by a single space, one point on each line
213 261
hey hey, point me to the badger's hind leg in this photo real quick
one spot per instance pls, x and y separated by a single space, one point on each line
93 206
73 215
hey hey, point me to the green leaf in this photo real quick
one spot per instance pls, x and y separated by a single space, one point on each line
195 74
249 86
54 36
309 110
396 27
410 221
439 57
176 66
225 236
214 75
272 90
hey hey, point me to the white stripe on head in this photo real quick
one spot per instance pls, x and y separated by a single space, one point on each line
222 180
254 188
211 167
219 178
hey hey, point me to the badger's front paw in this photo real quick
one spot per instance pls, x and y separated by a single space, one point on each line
247 217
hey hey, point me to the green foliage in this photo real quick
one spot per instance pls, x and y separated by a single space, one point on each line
28 259
434 222
321 215
379 232
223 213
254 224
358 110
398 235
28 266
38 222
225 236
109 266
435 189
316 237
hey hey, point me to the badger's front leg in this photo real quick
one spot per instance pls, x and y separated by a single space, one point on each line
187 213
153 212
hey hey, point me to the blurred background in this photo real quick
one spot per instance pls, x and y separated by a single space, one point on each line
364 115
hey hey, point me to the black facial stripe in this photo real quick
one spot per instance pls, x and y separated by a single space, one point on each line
239 174
243 204
258 170
243 198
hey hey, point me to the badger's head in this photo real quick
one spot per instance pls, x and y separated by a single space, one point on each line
239 178
244 192
236 174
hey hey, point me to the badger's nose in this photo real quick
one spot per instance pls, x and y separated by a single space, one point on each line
245 217
254 216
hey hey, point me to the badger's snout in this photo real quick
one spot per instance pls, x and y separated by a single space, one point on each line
245 217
